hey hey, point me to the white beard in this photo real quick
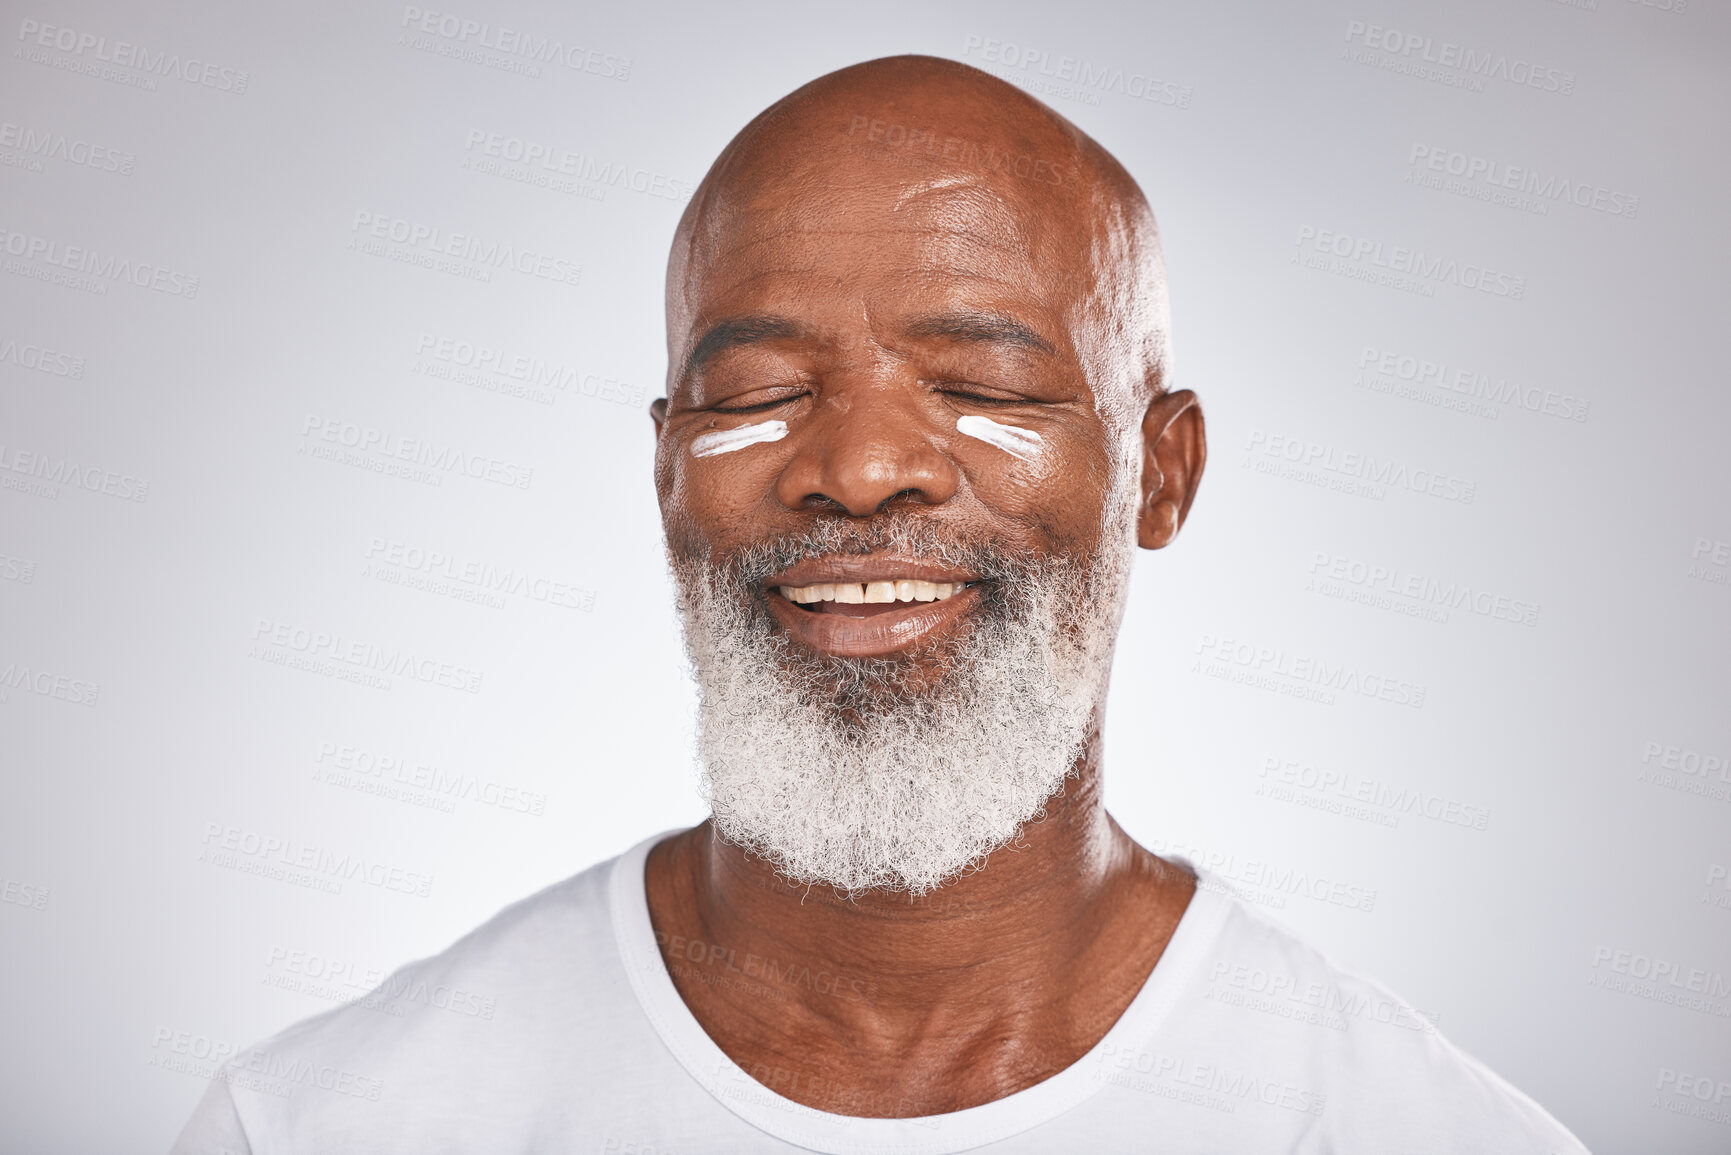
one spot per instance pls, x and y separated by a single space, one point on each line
838 771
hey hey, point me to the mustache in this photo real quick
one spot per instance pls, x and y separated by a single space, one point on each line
905 534
1018 591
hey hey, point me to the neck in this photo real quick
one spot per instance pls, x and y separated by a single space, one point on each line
907 990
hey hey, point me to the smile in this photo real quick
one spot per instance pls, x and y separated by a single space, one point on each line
867 607
872 593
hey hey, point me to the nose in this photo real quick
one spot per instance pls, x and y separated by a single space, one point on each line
865 449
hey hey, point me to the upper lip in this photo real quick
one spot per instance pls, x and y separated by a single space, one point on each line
827 571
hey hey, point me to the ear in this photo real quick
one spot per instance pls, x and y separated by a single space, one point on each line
658 413
1174 450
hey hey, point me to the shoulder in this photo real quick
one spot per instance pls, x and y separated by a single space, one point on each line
1370 1068
489 1011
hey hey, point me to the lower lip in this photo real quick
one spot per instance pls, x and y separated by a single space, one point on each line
881 633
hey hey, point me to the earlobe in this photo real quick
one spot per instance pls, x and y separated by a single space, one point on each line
1174 450
658 413
1158 524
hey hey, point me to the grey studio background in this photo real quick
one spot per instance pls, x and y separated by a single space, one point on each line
332 609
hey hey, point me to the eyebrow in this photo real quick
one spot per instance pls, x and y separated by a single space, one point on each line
736 332
984 328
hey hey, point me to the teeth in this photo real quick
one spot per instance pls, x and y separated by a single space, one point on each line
858 593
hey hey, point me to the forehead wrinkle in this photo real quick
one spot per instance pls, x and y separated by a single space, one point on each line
967 209
941 255
740 244
948 182
835 184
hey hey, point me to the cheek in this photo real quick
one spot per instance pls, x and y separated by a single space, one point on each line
715 494
686 464
1060 487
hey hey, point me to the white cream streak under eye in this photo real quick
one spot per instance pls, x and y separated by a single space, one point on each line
1023 443
727 440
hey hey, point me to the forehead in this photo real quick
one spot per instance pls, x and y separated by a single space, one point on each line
851 215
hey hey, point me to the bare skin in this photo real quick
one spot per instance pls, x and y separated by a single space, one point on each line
868 293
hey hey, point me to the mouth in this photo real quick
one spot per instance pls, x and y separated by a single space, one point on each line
867 599
867 607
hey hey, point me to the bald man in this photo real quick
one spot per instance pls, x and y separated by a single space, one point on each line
917 421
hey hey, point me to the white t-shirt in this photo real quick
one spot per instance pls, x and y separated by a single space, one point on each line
555 1028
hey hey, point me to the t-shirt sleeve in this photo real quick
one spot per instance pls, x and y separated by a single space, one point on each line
215 1127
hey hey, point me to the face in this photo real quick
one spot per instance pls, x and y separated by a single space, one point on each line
896 346
900 493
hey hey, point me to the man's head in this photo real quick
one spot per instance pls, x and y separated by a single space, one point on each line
916 335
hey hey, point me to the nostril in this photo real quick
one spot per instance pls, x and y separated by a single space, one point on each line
823 503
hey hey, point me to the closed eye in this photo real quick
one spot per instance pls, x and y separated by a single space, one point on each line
756 407
974 397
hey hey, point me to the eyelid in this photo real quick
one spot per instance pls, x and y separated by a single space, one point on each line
974 392
756 405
